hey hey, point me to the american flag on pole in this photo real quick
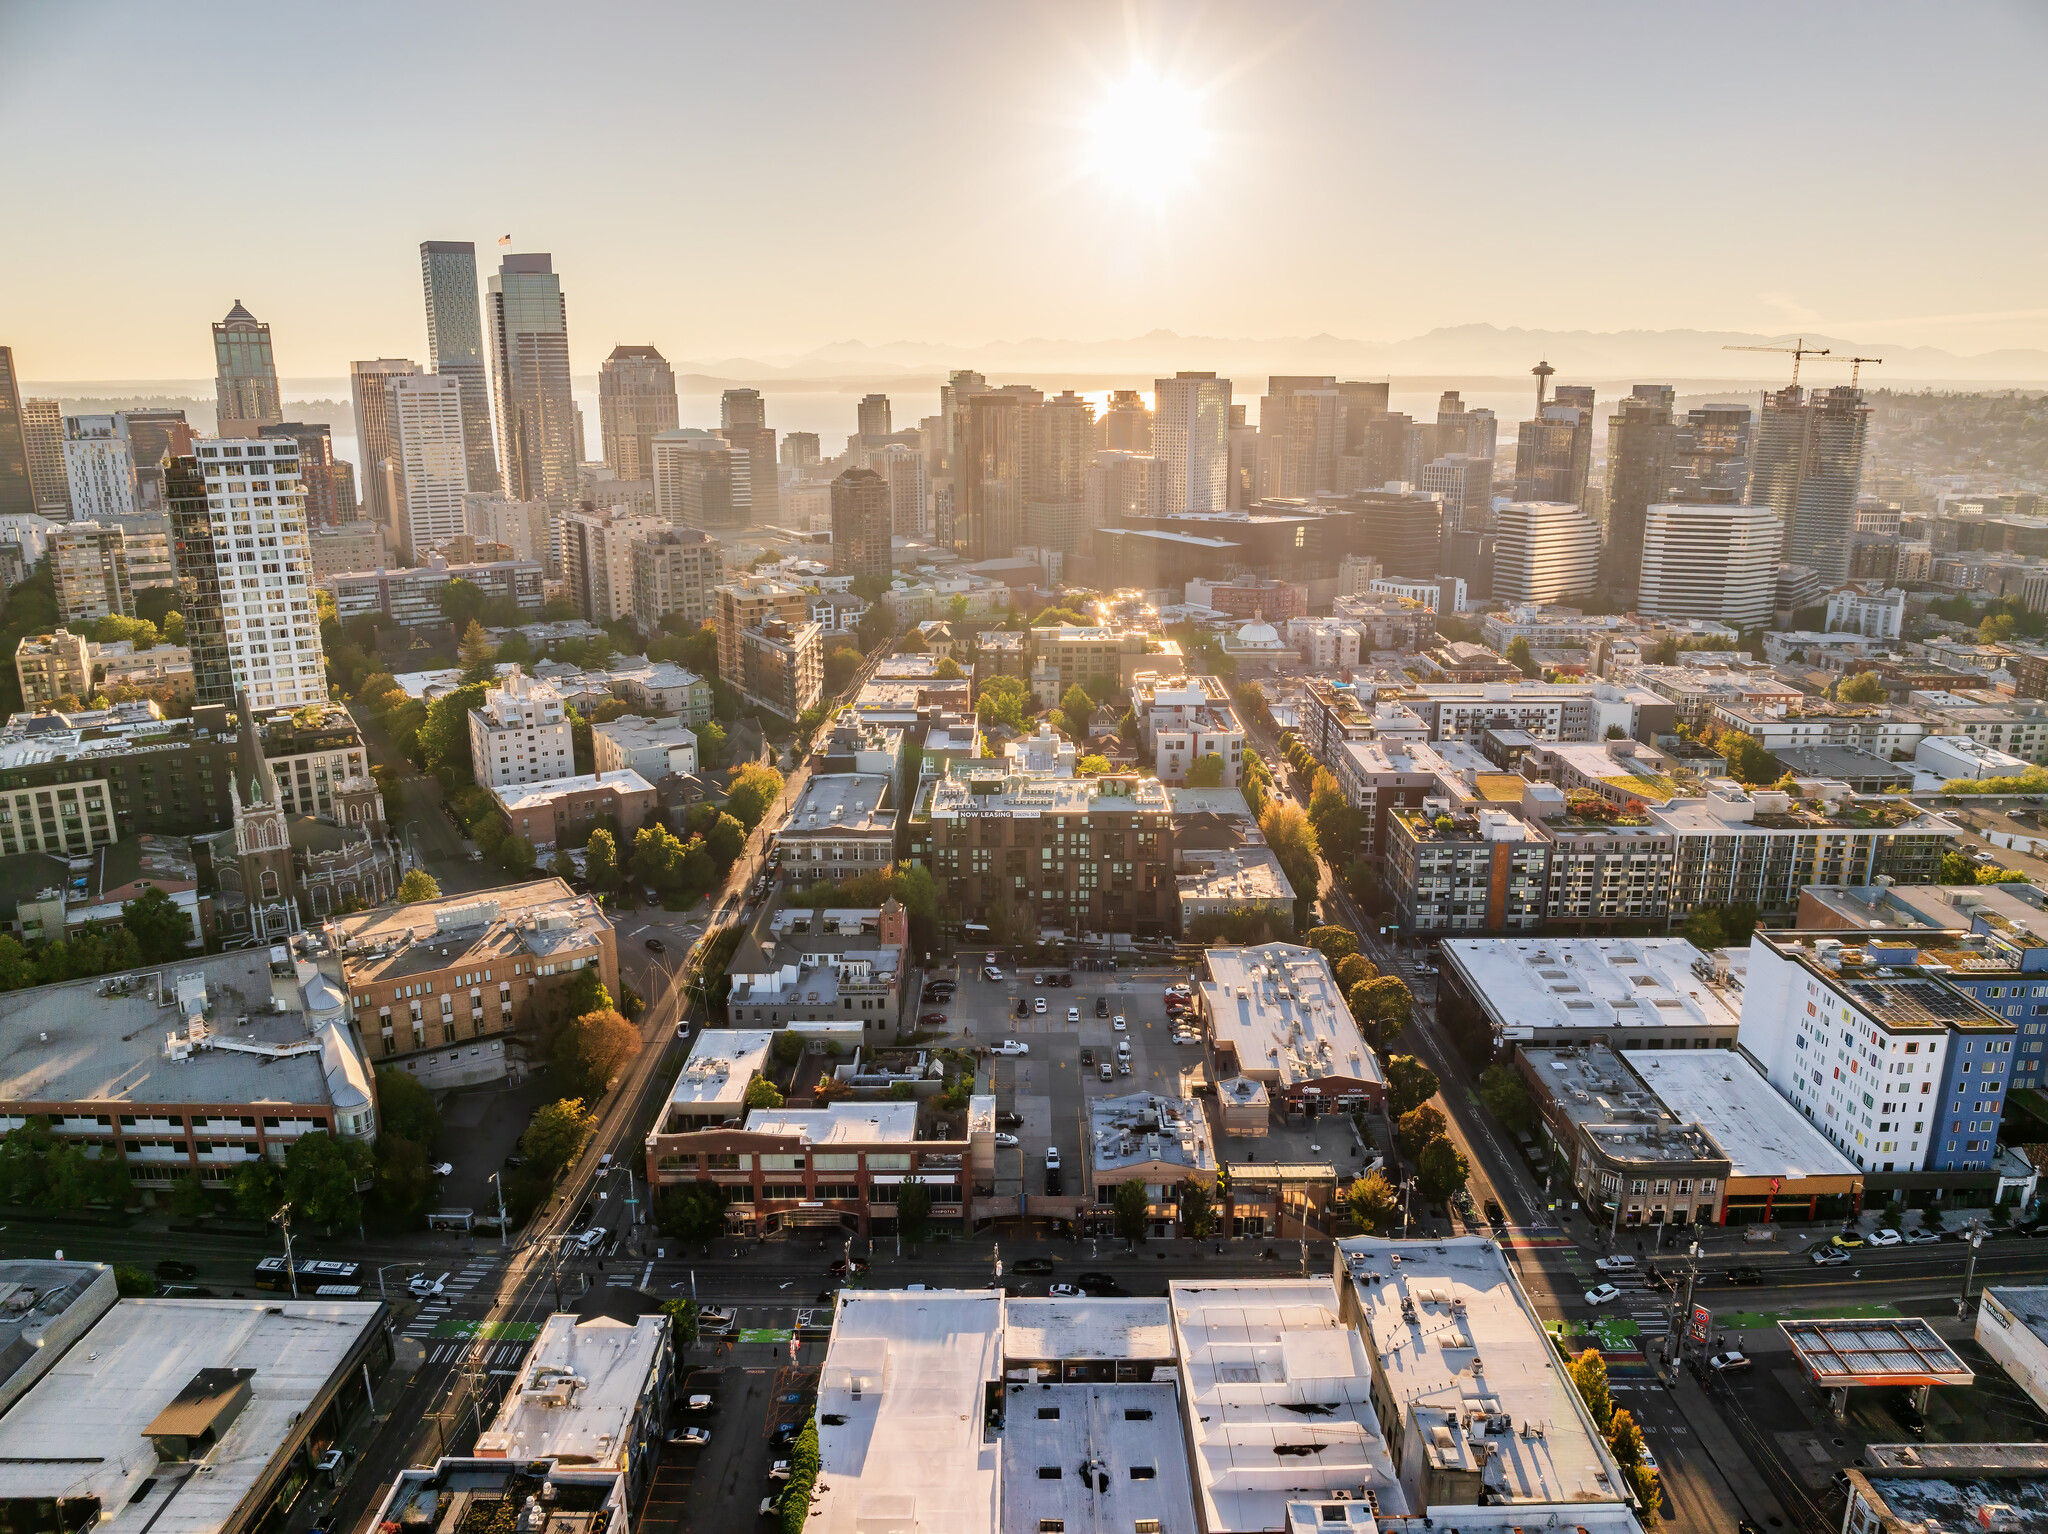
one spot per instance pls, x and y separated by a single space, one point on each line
504 239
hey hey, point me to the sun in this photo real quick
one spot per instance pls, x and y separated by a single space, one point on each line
1147 137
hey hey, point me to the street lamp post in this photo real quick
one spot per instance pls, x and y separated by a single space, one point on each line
382 1292
1969 1271
500 1186
283 1220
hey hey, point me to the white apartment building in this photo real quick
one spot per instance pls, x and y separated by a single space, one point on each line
521 734
89 569
1326 644
433 461
1187 718
1713 562
1544 550
1191 442
904 468
98 468
654 748
1875 615
522 526
597 560
701 480
263 570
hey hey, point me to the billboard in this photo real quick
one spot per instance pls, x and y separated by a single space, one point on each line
1702 1325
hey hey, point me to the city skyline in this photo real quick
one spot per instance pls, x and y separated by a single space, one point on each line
1129 142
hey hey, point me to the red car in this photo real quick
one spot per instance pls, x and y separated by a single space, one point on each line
932 1019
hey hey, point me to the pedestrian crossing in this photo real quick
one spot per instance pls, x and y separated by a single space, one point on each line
456 1288
498 1357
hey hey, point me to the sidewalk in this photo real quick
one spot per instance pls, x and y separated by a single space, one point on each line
1731 1461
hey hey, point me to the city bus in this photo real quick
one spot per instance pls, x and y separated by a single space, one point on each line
271 1274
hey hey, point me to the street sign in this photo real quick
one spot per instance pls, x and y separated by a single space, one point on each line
1702 1326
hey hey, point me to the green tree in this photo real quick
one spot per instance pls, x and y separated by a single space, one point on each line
1352 969
724 840
1589 1374
692 1211
1410 1084
948 670
1417 1127
1076 709
913 642
443 740
557 1134
1091 766
404 1182
405 1108
418 885
1519 657
1338 825
913 1210
1293 840
133 1283
601 860
476 653
1625 1438
1127 726
1748 762
257 1189
1373 1203
1996 628
461 603
190 1200
1197 1209
1507 1099
1383 1007
516 856
174 629
763 1093
1440 1170
1004 701
320 1177
1133 1210
1956 868
1863 687
657 857
1205 771
161 928
682 1321
588 1054
752 790
1333 943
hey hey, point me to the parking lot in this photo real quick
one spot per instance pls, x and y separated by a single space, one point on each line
720 1485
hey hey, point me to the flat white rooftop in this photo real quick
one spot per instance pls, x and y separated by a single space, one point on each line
1279 1008
900 1408
722 1061
1643 986
840 1124
1052 1330
80 1431
1252 1355
579 1391
1061 1443
1455 1332
1763 1134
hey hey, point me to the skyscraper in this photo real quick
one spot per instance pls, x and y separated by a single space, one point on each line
89 572
455 346
330 484
17 490
245 374
529 343
1553 454
433 466
701 480
1460 430
1710 458
42 427
377 436
904 468
1465 483
1300 431
799 450
239 531
1719 563
1191 440
862 522
636 401
1059 447
1126 423
1403 530
1543 551
1641 438
988 474
1807 466
154 438
743 421
97 466
873 416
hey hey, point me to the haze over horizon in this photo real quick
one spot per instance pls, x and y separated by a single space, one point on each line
953 182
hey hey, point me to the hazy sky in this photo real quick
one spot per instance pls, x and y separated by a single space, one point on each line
728 180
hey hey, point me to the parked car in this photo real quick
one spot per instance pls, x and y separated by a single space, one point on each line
1073 1014
1117 1021
1123 1067
931 1019
1032 1265
1886 1238
1745 1275
1602 1294
1065 1292
1108 1071
1119 1025
1102 1006
1922 1237
1013 1047
779 1471
1847 1240
1909 1417
1009 1120
1005 1139
696 1437
698 1401
1052 1157
1728 1362
177 1272
1087 1058
1023 1007
1614 1264
769 1508
1038 1004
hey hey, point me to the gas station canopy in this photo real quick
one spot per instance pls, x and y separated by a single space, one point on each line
1902 1352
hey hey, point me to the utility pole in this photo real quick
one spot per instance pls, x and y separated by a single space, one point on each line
283 1219
1969 1271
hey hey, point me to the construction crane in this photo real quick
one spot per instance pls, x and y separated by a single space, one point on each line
1856 368
1542 370
1799 350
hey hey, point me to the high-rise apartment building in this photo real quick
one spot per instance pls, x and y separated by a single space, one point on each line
636 402
330 483
1641 439
522 526
154 438
862 522
1059 449
1460 429
746 604
1300 435
1381 449
455 346
17 489
1126 423
377 436
1710 456
872 414
42 429
245 374
239 538
521 734
1120 484
1807 466
1191 440
433 462
597 560
799 450
676 570
1553 454
89 568
528 336
1465 484
1544 551
701 480
905 468
98 469
1719 563
1404 531
988 475
743 421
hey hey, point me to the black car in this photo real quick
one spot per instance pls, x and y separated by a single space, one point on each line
1053 1184
1495 1213
1032 1265
1102 1006
176 1272
1745 1275
1009 1120
1103 1284
656 945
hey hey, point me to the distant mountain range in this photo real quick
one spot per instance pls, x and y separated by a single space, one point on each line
1449 351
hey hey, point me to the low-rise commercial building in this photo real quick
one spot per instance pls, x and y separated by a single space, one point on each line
712 1088
449 1003
842 824
1965 756
2012 1326
1214 882
1276 1014
1656 993
1162 1142
563 811
654 748
65 1300
553 1496
1894 1487
831 966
